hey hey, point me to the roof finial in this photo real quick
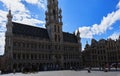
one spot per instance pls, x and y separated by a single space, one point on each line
119 36
9 15
78 33
9 11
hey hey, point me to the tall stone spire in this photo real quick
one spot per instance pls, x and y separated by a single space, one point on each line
9 42
9 23
54 20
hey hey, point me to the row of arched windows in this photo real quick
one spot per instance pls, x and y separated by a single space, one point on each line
27 56
34 46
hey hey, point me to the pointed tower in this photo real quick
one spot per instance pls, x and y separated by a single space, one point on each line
8 42
54 21
78 36
8 34
9 27
9 24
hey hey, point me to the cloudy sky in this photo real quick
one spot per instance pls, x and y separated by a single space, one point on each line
93 18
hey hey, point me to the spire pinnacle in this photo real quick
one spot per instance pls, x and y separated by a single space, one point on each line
119 36
9 16
78 33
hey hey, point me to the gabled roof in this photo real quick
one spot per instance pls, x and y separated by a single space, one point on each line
27 30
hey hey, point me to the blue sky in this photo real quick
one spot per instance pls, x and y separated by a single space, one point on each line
93 18
84 14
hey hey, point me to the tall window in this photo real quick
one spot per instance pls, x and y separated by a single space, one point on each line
55 37
59 38
58 29
14 55
23 56
55 28
18 56
54 14
31 56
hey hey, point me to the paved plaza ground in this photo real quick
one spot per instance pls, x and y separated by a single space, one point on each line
67 73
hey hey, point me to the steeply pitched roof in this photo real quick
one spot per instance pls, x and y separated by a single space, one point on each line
27 30
22 29
67 37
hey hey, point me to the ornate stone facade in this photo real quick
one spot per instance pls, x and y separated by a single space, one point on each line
29 47
102 53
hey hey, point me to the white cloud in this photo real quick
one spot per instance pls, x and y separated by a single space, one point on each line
40 3
2 30
114 36
18 5
32 1
28 21
20 13
106 24
2 42
118 5
14 5
2 18
24 17
87 33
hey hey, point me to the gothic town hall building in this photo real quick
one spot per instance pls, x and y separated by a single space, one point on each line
30 47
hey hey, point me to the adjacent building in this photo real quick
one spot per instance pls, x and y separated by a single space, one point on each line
102 53
29 47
